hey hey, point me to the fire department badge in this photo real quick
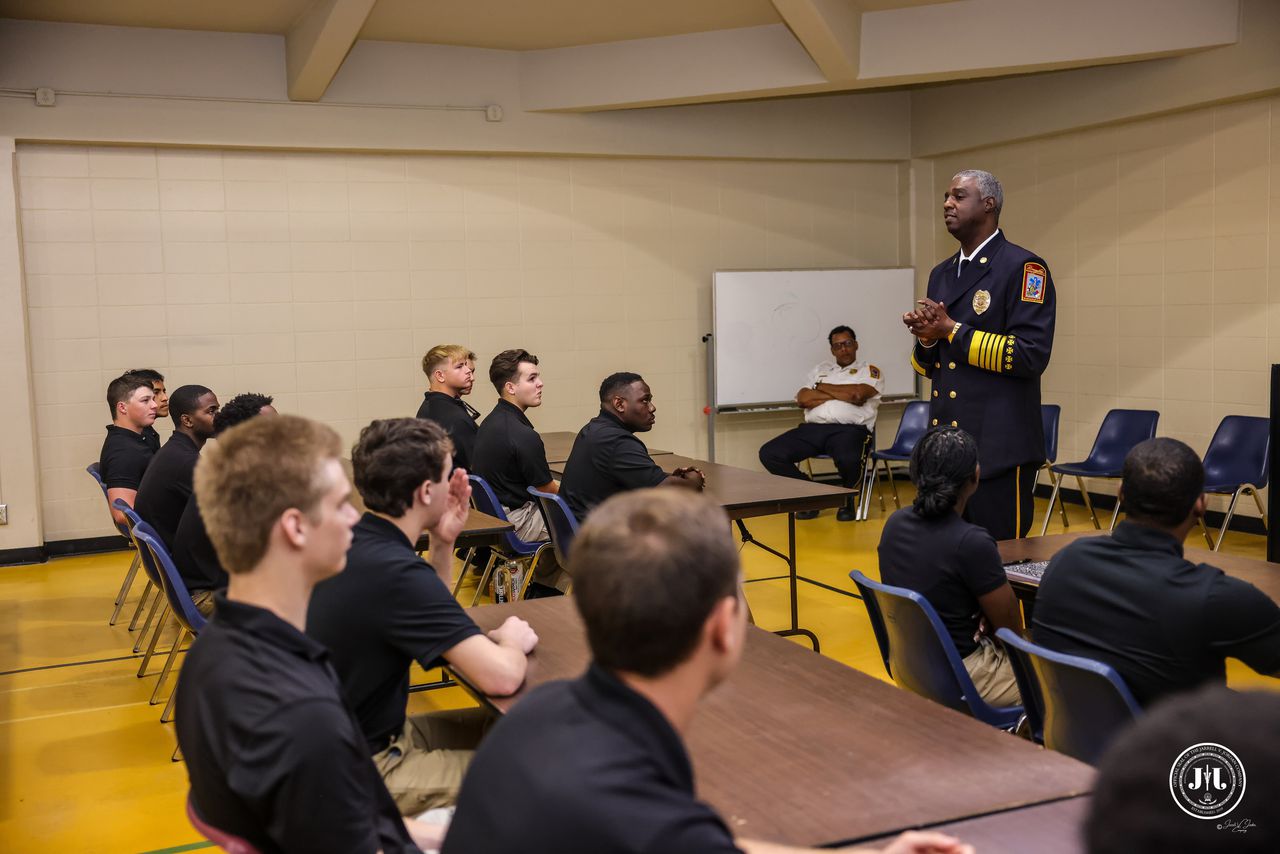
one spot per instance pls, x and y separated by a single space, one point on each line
981 301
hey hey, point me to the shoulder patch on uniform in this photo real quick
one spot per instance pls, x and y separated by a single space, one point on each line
1033 282
874 371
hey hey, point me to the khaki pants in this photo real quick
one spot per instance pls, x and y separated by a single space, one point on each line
424 764
992 675
203 600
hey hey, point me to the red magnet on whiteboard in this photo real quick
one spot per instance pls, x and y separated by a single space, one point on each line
706 410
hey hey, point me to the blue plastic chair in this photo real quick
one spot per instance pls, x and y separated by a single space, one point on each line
562 525
190 621
1120 431
1051 417
1074 705
919 655
96 473
1238 461
512 547
914 424
153 583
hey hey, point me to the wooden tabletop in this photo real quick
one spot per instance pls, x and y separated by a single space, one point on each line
1052 828
1260 573
799 749
560 442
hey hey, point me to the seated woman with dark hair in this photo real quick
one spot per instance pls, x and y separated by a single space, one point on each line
931 549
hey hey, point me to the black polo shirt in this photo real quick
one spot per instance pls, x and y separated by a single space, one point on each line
124 458
153 437
458 420
166 486
509 454
607 458
272 752
1131 600
193 552
948 561
583 767
387 609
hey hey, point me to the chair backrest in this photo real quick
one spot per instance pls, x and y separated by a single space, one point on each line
133 520
222 839
1050 415
919 654
486 501
175 589
562 525
1240 452
1121 429
96 473
1085 703
914 424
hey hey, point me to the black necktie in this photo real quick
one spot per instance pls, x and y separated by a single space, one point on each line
963 263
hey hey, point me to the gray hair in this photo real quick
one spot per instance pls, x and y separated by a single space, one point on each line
988 185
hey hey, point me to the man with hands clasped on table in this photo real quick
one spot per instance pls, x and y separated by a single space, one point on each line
984 335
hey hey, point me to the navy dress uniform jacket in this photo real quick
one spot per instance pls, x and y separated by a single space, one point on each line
986 380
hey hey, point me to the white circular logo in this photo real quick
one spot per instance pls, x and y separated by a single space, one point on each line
1207 780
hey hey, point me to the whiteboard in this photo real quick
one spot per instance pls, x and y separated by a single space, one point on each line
770 329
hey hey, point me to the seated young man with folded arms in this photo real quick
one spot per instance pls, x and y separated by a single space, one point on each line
607 456
193 552
1132 600
598 764
166 486
451 371
126 451
273 754
390 608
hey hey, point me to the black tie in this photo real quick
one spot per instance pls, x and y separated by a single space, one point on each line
963 263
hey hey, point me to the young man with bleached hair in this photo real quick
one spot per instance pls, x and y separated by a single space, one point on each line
450 370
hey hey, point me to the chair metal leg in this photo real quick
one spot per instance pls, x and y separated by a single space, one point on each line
124 589
1053 497
156 601
1115 514
864 498
1226 522
1257 499
1208 538
142 601
155 637
167 715
462 571
879 484
168 665
484 578
1087 503
176 756
893 485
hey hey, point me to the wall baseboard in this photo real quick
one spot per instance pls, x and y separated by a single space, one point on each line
62 548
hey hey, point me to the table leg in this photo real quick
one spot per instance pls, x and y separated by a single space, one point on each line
791 581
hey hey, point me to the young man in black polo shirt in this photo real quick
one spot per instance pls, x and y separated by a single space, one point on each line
126 452
607 458
1134 602
272 752
598 763
389 609
450 370
166 486
192 551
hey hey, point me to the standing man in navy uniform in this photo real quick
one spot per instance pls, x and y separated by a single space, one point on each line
984 336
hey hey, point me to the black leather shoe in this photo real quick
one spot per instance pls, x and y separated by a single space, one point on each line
807 514
846 514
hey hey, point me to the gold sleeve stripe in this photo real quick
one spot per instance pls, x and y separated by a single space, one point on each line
986 350
915 366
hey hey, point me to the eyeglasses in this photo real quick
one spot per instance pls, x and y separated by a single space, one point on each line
844 345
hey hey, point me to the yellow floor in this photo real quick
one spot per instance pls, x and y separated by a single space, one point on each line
86 763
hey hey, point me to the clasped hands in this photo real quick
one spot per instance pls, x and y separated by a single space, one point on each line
929 322
691 473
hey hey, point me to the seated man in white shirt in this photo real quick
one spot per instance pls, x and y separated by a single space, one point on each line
840 403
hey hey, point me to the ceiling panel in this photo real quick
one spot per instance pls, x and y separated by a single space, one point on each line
233 16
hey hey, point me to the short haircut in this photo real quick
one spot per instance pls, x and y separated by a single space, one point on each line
1132 810
505 366
988 185
615 383
1161 482
122 388
834 332
443 354
239 409
149 374
395 456
185 400
253 474
943 461
648 567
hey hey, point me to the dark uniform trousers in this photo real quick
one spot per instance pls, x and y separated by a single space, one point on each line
846 444
986 379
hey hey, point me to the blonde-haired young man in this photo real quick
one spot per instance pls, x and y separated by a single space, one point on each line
273 753
451 371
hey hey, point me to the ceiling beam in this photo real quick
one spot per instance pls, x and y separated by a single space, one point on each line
830 30
318 42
